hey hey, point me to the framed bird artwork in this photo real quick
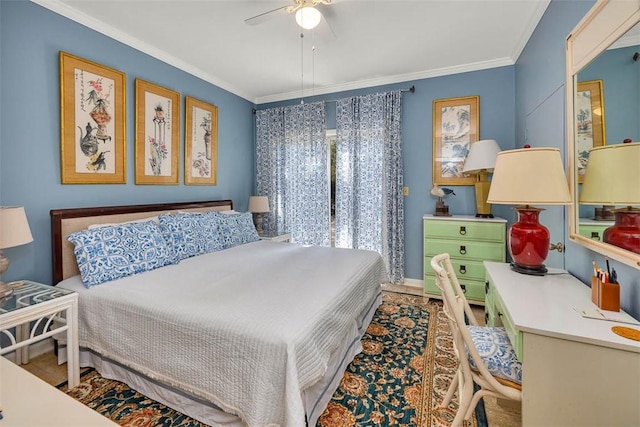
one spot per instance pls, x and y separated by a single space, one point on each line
456 125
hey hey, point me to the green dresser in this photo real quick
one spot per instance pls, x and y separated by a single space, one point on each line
468 241
592 229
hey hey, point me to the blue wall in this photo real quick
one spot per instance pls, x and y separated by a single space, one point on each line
497 93
540 82
31 38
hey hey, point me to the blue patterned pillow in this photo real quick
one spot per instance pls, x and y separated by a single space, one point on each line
496 351
109 253
190 234
236 228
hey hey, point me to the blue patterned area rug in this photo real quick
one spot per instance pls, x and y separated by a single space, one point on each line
399 379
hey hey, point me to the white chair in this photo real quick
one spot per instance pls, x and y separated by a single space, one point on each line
485 354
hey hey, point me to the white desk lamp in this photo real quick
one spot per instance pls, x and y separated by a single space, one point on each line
480 161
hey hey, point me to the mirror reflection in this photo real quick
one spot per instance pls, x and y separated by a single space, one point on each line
607 112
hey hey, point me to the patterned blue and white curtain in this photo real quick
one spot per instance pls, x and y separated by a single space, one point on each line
293 171
369 178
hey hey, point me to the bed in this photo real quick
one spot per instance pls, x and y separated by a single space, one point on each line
255 334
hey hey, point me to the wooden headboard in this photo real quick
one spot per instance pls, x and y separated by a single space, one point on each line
67 221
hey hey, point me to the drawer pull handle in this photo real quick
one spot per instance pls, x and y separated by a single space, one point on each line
462 269
486 287
464 288
486 318
463 230
463 250
595 235
500 314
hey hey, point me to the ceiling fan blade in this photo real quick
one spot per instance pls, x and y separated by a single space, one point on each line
325 30
259 19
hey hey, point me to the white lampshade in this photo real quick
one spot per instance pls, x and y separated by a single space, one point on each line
529 176
612 176
482 155
258 204
308 17
14 227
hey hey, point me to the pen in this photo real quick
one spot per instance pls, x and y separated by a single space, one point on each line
607 261
595 268
614 276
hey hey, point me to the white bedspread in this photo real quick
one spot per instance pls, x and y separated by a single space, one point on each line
247 328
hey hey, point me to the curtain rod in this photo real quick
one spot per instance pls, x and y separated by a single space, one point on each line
412 89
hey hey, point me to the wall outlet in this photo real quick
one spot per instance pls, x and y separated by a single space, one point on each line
405 191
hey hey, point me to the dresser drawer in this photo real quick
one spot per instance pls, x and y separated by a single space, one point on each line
473 289
465 250
497 315
464 269
465 230
594 232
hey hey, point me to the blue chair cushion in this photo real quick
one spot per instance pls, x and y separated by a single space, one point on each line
496 351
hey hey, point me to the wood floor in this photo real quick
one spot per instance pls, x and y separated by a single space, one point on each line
499 413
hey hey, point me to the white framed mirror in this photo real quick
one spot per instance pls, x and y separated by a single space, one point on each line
609 30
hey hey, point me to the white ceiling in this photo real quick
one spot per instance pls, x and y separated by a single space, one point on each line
365 43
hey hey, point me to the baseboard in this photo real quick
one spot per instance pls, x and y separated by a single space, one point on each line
414 283
35 350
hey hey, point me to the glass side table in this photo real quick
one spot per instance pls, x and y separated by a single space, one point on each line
37 312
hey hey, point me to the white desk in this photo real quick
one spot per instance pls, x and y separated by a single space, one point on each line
576 371
26 400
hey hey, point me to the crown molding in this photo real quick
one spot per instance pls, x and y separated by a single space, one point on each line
535 18
399 78
62 9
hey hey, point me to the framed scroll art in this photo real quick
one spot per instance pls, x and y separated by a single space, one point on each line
157 134
589 122
201 142
455 128
92 122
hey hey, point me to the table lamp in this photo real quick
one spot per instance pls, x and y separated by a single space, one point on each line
525 177
480 161
258 205
612 177
14 231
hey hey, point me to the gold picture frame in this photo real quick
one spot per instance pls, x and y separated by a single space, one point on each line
590 122
455 127
92 122
201 142
157 134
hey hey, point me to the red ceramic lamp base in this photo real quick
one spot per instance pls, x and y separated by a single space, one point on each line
528 242
625 233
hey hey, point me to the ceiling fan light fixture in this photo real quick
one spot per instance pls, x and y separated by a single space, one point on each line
308 17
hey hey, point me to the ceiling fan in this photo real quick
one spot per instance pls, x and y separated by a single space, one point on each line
307 16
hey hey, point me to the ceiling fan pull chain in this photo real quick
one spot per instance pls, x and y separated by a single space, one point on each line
301 68
313 70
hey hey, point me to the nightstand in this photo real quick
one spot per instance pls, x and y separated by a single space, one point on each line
276 237
37 312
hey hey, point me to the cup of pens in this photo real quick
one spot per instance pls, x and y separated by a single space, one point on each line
605 289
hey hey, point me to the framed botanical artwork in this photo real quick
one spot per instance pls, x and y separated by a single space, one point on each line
201 142
92 122
590 128
157 134
455 128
